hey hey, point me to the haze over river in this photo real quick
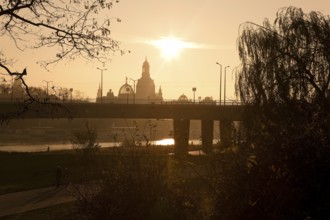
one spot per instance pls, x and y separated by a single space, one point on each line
68 146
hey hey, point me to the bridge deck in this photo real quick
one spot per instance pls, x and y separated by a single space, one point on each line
152 111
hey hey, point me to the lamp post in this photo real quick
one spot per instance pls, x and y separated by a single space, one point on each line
47 85
134 80
224 98
12 88
127 93
220 81
71 90
101 82
194 90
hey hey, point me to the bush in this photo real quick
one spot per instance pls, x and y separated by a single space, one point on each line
280 168
135 183
85 142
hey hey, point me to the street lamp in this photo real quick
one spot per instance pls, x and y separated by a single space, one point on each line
127 93
47 85
194 90
134 80
12 88
101 82
224 98
220 81
71 90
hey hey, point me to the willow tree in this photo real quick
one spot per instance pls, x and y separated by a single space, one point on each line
285 71
284 78
285 61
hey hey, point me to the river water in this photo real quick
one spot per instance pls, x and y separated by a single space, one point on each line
44 147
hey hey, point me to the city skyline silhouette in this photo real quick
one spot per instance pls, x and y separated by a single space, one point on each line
207 31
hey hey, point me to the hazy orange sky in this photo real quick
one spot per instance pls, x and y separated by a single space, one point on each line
212 25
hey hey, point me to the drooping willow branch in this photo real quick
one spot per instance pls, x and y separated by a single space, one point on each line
287 60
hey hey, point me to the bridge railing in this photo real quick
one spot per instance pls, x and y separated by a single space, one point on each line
128 101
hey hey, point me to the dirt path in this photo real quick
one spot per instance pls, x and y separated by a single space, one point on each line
14 203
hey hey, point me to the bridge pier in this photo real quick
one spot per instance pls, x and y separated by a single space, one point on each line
181 136
225 132
207 135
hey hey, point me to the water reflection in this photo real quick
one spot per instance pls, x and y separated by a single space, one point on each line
164 142
68 146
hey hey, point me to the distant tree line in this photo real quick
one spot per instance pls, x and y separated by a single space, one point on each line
15 92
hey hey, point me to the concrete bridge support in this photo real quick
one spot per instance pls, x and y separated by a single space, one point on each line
207 135
181 136
225 132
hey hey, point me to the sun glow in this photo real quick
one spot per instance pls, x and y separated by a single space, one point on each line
164 142
171 47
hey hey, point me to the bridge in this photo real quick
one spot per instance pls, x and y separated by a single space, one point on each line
181 114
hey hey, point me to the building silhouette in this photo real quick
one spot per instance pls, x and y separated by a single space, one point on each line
144 93
145 87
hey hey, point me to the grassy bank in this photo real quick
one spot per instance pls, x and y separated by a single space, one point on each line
148 181
24 171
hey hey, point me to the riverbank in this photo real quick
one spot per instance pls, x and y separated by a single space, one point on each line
24 171
126 174
29 170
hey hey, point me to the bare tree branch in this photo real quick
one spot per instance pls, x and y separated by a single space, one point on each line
76 28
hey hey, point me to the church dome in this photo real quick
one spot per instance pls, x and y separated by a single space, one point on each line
126 89
183 98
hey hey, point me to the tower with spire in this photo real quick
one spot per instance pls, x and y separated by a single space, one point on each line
160 92
144 92
146 69
145 87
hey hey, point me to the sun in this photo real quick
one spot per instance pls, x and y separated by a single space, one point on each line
171 47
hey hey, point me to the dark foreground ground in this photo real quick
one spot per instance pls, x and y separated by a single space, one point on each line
27 186
32 203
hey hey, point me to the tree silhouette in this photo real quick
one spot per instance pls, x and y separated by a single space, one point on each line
76 28
72 28
284 79
285 61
